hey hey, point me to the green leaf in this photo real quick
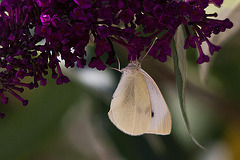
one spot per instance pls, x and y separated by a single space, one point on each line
179 40
179 58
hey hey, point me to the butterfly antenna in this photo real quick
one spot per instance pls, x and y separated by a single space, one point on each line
119 70
119 65
149 48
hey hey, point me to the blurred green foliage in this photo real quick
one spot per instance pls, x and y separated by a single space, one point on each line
24 130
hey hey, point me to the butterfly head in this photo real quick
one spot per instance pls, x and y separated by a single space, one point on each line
135 64
131 67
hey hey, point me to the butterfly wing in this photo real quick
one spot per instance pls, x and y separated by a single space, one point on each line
130 109
161 119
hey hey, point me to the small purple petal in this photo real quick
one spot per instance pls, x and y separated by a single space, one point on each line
20 74
43 82
2 115
83 3
4 99
202 59
25 102
56 22
45 19
126 15
81 63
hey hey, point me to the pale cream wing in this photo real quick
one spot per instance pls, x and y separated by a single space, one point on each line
130 109
161 122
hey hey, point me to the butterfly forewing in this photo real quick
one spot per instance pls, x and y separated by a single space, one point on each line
130 107
160 118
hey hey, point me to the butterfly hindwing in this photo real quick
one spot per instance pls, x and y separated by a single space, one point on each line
161 119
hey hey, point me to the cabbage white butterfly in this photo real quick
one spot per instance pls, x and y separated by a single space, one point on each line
137 106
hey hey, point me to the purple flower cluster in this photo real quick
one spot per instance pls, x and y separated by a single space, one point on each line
20 52
36 34
199 26
16 54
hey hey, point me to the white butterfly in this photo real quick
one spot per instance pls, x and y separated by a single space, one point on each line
138 106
